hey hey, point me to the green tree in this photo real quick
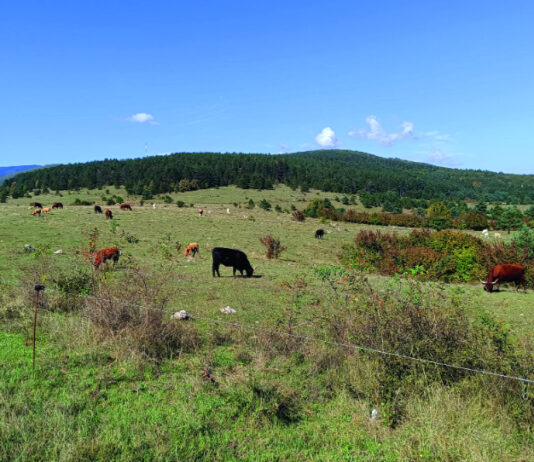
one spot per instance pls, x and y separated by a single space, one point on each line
511 218
481 207
438 216
524 240
265 205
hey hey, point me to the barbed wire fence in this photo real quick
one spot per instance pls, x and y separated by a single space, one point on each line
245 326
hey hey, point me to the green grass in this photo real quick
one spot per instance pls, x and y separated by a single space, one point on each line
85 401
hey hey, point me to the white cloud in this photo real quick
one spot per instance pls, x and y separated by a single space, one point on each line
143 117
376 132
327 138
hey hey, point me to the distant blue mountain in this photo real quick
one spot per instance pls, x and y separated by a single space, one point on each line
9 171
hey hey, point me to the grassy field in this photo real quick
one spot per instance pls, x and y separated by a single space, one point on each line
234 396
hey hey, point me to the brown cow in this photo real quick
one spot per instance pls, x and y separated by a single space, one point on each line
191 249
37 212
108 214
200 212
46 210
57 205
506 273
125 206
111 253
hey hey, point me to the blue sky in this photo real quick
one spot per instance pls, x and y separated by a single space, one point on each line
445 82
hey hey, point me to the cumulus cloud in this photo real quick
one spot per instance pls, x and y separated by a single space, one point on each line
327 138
376 132
142 118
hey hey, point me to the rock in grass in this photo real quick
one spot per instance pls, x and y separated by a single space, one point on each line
227 310
182 314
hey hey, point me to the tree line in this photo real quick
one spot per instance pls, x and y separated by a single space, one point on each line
379 181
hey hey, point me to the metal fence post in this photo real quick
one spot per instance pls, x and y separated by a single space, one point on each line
38 288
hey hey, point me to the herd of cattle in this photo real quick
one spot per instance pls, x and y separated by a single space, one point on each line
238 260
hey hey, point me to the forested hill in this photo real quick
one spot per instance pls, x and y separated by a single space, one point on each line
329 170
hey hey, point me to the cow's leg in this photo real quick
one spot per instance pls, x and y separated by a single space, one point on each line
215 269
234 268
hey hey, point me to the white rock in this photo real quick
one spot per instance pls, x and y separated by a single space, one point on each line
374 415
227 310
182 314
60 251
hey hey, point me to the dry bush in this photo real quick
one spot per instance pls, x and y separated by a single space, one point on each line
132 314
273 245
298 215
419 321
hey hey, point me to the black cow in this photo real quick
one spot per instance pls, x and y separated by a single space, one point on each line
230 257
319 234
98 209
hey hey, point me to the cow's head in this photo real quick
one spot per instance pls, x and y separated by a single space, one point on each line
250 271
488 285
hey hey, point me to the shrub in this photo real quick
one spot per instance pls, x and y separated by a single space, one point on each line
265 205
180 203
273 245
298 215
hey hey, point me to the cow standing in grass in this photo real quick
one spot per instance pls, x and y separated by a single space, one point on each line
125 206
57 205
37 212
191 249
109 215
46 210
230 257
111 253
97 209
505 273
319 234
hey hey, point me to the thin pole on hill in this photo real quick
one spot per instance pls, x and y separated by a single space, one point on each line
38 288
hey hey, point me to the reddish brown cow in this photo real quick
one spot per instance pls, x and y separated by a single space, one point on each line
108 214
57 205
125 206
200 212
505 273
191 249
37 212
111 253
37 204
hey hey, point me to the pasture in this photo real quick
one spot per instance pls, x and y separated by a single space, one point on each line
91 400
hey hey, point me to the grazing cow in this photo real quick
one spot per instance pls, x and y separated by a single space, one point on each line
97 209
200 212
230 257
319 234
37 212
497 235
125 206
37 204
57 205
191 249
111 253
45 210
108 214
505 273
